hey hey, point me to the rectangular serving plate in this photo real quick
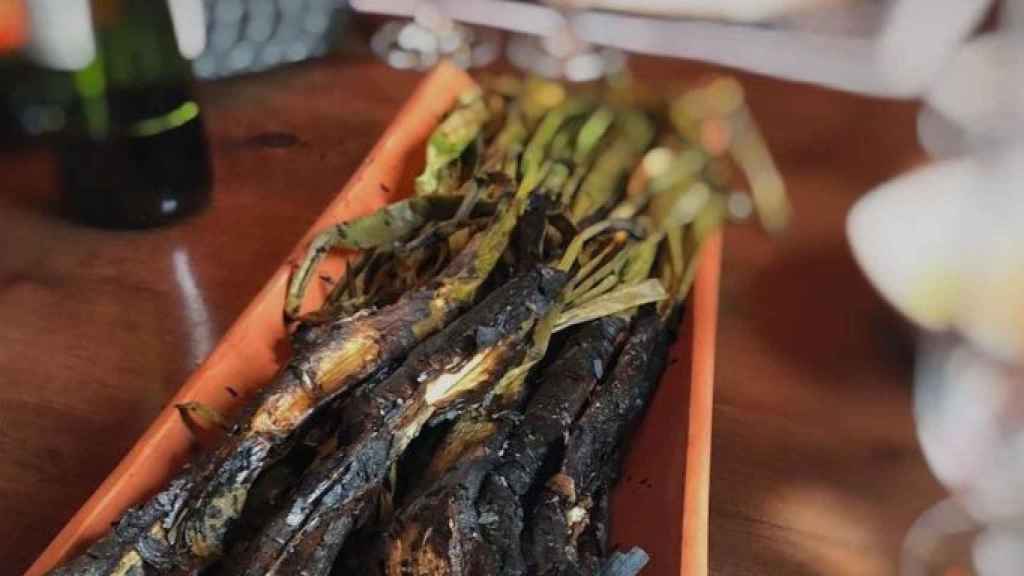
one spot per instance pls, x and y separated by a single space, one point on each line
661 504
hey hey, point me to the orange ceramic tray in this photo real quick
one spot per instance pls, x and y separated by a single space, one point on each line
661 503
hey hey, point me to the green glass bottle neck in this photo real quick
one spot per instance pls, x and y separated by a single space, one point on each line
137 85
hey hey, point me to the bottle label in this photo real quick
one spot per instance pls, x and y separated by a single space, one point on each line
61 34
176 118
189 26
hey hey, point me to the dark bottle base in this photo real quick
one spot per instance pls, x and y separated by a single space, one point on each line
139 182
83 209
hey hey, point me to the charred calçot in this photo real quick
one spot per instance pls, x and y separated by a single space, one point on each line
447 373
450 528
189 521
439 531
564 387
564 510
520 226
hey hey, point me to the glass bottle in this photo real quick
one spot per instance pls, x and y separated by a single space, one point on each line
133 153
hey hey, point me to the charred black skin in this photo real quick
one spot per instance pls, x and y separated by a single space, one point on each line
306 537
184 507
528 237
469 521
564 386
592 457
362 554
445 518
238 461
592 544
274 487
102 557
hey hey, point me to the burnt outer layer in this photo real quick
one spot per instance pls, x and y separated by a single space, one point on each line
103 557
438 533
206 499
529 233
305 537
190 520
558 541
564 387
469 521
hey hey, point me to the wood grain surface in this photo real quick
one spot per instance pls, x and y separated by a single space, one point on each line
815 467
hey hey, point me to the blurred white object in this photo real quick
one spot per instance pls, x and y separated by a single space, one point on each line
871 47
998 551
882 48
245 36
945 245
904 237
967 413
748 11
62 37
60 33
430 35
967 408
189 21
562 54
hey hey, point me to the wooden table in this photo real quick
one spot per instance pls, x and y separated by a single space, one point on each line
815 471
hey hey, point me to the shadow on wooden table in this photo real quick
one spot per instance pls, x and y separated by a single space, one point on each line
817 468
815 308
